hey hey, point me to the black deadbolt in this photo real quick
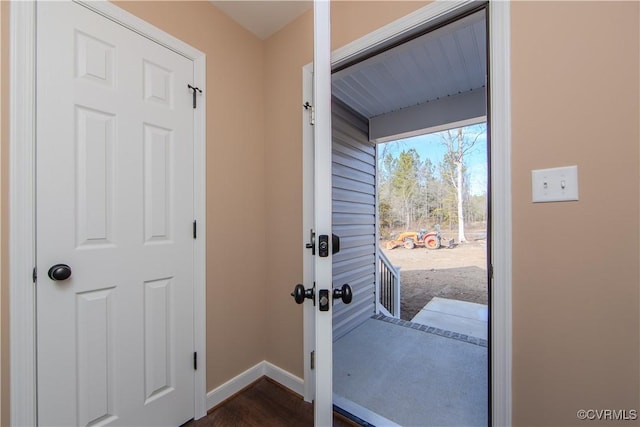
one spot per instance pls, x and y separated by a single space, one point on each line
59 272
335 244
323 245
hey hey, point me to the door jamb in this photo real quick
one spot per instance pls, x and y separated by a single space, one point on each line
308 174
22 139
500 105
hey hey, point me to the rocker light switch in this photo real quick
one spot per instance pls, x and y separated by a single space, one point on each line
555 184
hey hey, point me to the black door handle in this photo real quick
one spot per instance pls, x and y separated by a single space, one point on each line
343 293
59 272
300 293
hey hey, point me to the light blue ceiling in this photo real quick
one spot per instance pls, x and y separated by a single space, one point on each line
448 61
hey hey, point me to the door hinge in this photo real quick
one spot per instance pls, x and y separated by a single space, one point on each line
34 274
195 360
490 271
195 229
312 113
194 89
313 359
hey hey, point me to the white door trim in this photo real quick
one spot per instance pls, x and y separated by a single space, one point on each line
500 103
308 218
22 140
501 299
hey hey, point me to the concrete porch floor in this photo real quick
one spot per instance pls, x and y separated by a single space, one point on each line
411 374
466 318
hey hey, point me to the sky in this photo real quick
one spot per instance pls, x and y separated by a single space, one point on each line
430 146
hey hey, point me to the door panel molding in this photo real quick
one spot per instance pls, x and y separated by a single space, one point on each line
21 227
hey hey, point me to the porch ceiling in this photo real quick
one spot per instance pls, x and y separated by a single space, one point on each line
443 63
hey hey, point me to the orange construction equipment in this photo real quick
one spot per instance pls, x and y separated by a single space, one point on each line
411 239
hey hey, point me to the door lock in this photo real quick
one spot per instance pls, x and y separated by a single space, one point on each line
323 245
323 299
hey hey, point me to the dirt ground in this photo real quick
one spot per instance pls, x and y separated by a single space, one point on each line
458 273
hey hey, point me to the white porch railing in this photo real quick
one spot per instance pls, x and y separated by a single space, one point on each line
389 290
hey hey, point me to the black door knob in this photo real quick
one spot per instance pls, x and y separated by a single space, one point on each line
343 293
300 293
59 272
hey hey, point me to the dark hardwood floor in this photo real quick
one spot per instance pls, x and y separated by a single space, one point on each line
263 404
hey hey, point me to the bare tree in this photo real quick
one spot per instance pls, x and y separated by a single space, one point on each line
458 144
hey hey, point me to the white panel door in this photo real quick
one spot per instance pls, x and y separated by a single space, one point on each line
115 203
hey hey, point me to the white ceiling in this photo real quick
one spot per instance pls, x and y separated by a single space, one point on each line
263 18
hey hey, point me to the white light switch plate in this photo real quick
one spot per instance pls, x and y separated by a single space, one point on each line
555 184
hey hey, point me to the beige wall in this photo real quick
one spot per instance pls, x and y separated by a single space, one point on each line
285 54
576 265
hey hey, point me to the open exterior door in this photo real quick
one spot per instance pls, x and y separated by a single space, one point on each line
323 409
326 165
318 206
318 217
324 243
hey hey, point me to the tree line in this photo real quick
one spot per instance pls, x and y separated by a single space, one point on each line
416 193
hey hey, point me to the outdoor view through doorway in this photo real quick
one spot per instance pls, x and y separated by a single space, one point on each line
410 196
424 183
425 362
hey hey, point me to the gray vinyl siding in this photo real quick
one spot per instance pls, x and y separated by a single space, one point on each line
354 217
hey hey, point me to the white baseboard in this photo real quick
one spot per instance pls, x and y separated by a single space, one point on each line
264 368
284 378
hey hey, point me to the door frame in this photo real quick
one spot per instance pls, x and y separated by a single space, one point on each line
21 227
499 32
